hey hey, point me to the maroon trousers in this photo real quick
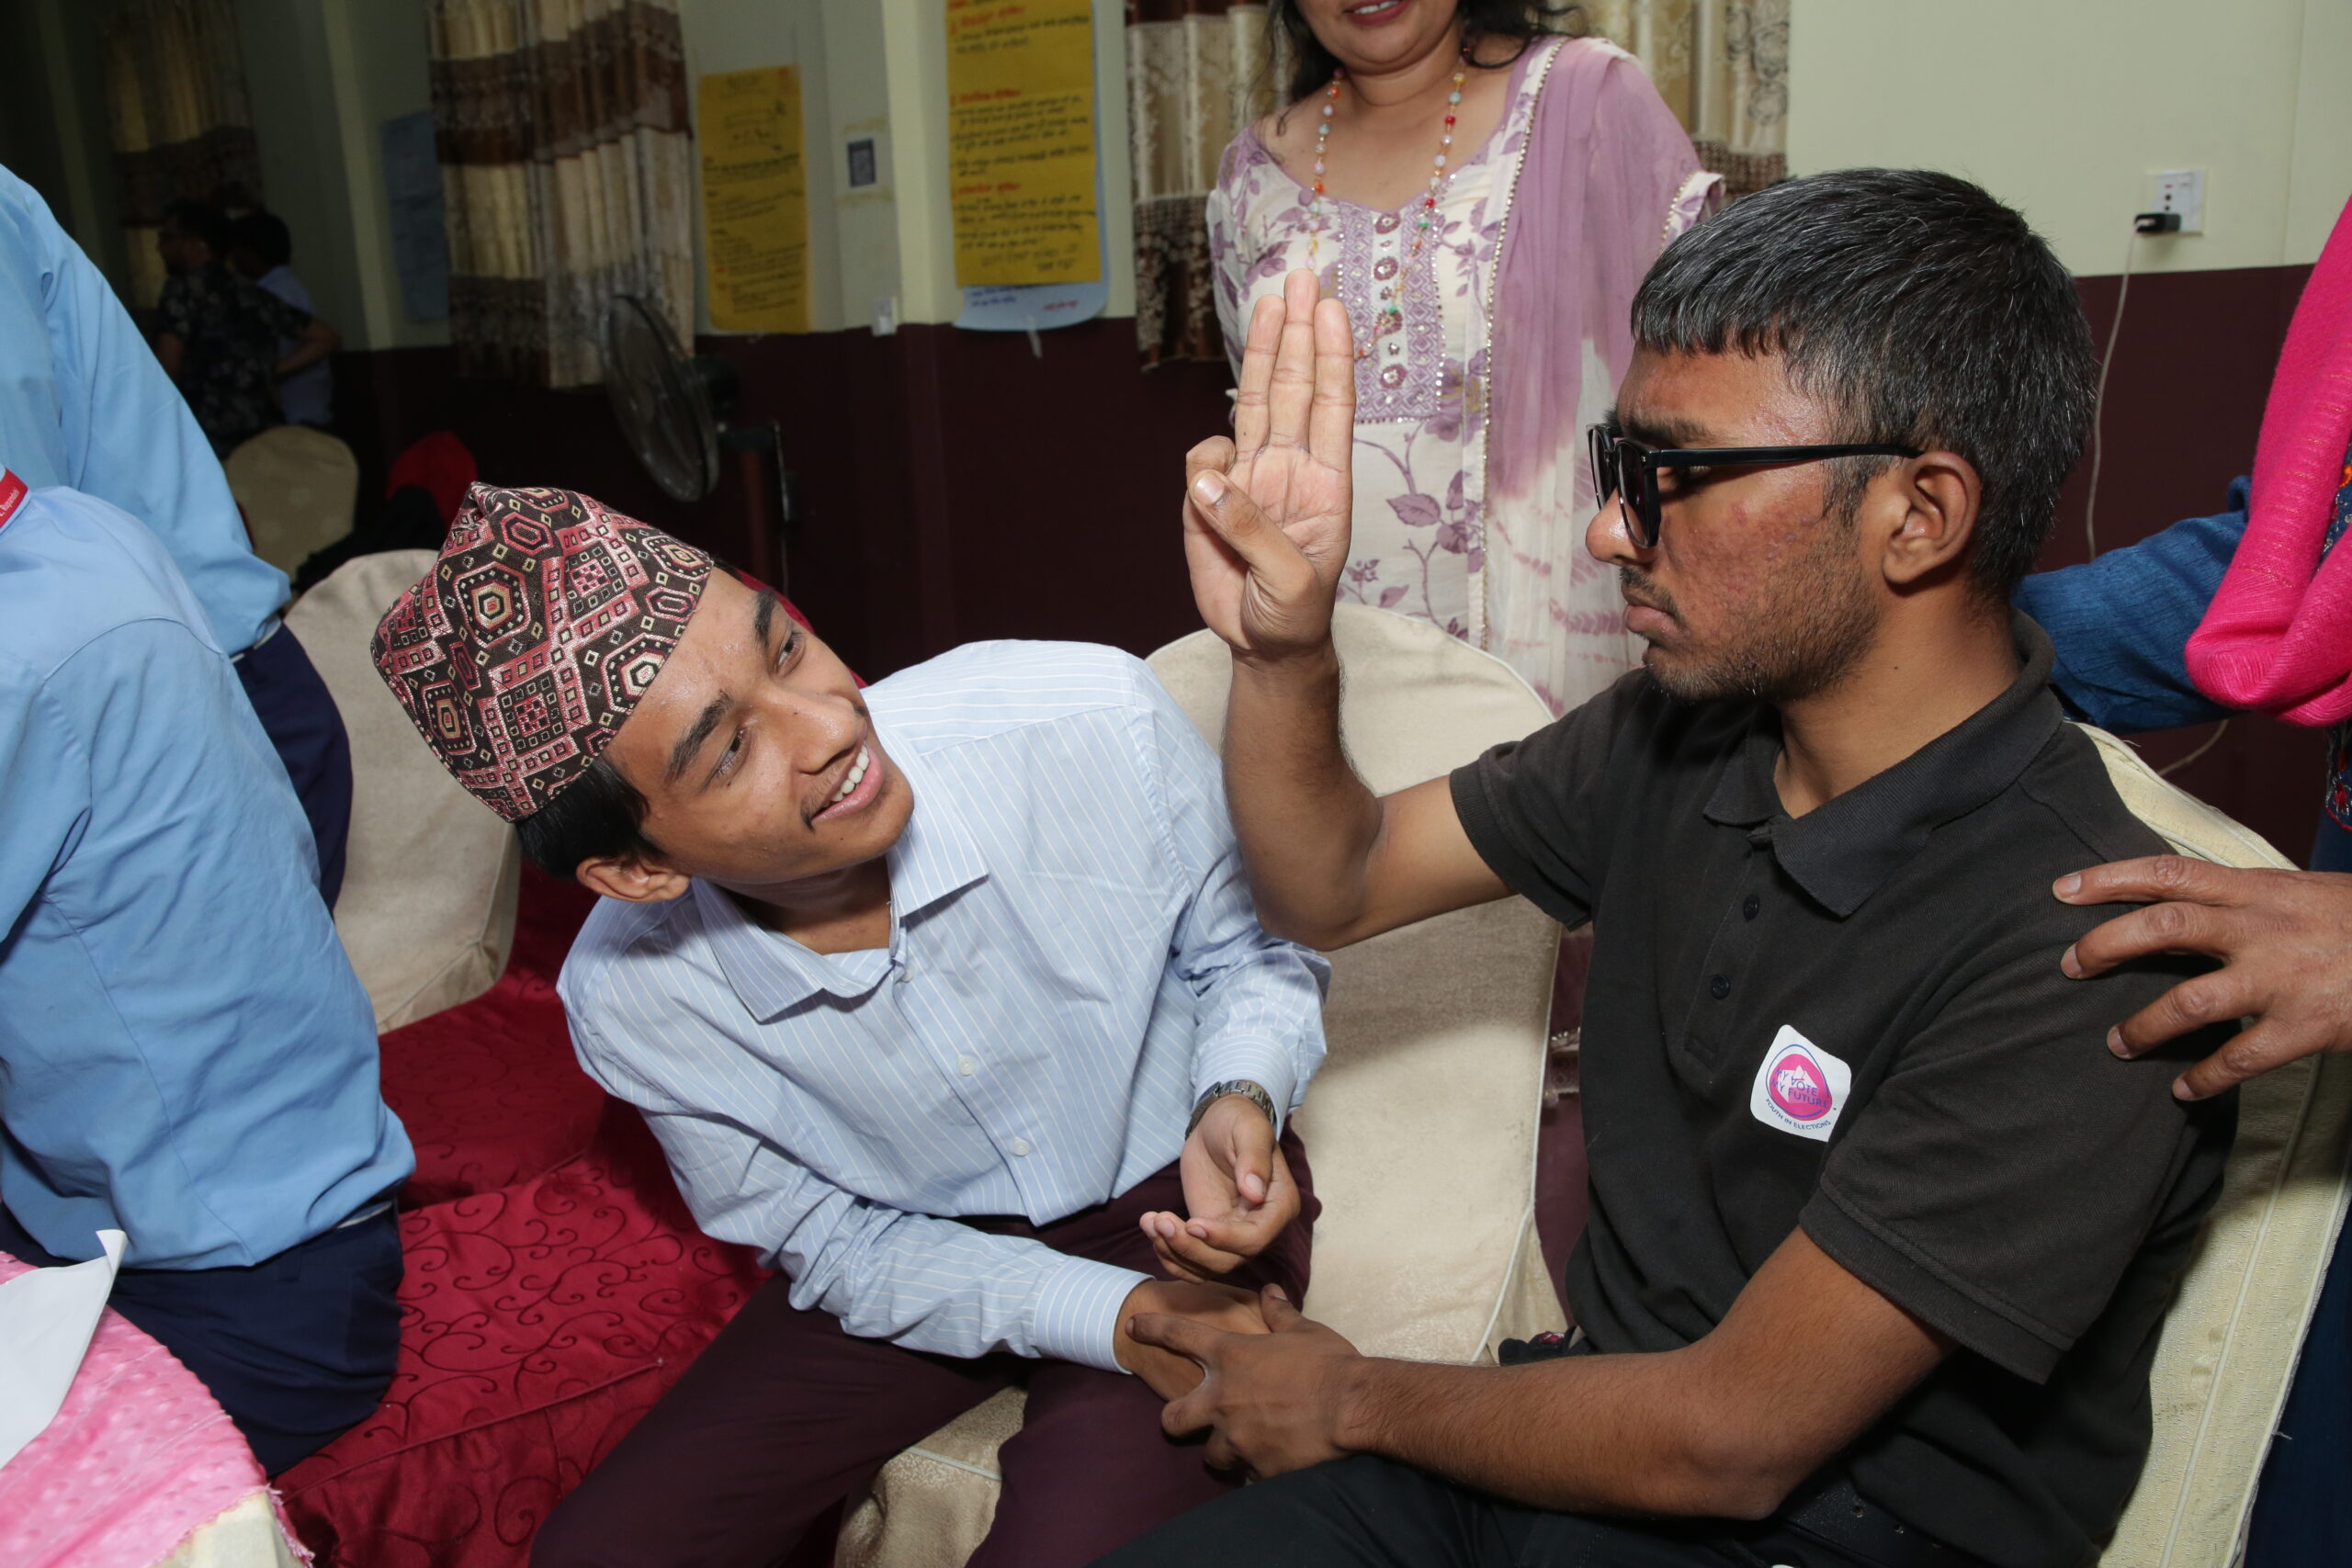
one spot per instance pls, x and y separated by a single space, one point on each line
785 1415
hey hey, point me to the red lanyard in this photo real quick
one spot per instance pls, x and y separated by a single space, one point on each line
12 495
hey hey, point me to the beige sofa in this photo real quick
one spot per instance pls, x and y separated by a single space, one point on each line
430 878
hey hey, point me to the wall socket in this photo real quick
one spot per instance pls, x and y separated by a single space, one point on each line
2181 191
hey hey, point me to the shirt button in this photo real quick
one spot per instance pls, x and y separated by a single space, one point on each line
906 967
965 1066
1020 1145
1720 986
1749 904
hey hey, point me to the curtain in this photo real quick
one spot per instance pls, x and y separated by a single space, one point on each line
1198 71
561 126
1723 68
179 120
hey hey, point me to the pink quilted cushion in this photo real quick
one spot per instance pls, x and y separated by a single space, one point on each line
140 1456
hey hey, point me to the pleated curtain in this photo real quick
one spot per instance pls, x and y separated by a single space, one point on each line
561 131
1723 68
178 118
1199 71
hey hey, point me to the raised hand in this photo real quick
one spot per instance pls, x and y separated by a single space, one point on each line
1266 511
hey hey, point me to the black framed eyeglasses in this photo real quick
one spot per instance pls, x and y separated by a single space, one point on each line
1627 469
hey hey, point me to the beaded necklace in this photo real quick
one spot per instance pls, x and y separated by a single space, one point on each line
1391 315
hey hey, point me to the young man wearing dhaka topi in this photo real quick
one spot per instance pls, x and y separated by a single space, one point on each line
946 995
1882 1231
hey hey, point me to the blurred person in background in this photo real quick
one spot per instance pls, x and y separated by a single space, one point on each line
218 335
261 251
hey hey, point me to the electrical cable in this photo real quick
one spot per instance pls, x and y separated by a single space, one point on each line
2210 741
2099 402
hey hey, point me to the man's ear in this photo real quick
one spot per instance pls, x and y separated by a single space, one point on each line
1941 494
631 879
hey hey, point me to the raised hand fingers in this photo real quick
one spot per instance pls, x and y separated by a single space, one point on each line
1291 393
1331 429
1257 354
1242 524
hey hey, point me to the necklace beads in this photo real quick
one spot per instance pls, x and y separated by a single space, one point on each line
1389 317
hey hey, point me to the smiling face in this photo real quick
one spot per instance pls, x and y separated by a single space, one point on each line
758 762
1370 36
1755 588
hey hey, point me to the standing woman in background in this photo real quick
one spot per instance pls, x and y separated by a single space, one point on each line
1484 192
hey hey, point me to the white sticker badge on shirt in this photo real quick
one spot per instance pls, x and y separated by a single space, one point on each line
1801 1088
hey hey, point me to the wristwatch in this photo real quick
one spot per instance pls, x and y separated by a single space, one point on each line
1245 1090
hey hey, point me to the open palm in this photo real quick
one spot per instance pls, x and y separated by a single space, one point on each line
1266 552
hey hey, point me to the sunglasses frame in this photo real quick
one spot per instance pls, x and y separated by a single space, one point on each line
1624 467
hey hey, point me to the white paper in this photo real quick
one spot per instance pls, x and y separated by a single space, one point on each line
47 1316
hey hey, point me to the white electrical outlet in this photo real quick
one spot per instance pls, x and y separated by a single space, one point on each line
2181 191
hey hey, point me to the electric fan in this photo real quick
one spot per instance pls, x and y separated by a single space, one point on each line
673 409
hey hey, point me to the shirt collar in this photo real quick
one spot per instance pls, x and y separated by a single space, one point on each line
1844 851
935 857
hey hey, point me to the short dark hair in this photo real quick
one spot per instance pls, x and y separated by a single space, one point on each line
598 815
1926 312
1523 20
201 221
265 234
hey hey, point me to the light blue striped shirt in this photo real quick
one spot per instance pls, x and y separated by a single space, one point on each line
1073 958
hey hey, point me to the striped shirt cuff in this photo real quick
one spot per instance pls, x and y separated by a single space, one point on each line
1266 1062
1076 1317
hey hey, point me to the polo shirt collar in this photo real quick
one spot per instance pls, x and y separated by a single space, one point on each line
935 857
1843 850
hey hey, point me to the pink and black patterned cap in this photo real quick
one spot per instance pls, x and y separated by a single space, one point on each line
522 653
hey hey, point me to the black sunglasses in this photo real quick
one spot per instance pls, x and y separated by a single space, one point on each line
1626 468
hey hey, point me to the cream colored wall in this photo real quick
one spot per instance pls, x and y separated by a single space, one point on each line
2065 108
879 68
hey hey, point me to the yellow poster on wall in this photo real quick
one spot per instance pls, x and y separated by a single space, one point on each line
754 201
1021 141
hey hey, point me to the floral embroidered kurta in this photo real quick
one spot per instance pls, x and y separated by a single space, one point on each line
1417 541
1421 515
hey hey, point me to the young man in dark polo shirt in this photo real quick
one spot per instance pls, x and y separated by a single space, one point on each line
1882 1232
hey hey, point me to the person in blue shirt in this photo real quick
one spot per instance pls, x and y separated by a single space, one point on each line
83 402
945 993
186 1054
2120 626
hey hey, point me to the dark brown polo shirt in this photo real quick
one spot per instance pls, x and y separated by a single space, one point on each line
1854 1022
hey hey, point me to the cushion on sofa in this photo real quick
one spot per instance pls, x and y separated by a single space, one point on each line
427 907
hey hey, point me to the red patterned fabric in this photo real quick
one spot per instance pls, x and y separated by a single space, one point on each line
537 1324
491 1092
523 651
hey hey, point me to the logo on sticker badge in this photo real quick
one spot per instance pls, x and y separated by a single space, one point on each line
1800 1087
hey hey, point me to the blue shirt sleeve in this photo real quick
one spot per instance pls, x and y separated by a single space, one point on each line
83 402
2121 623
